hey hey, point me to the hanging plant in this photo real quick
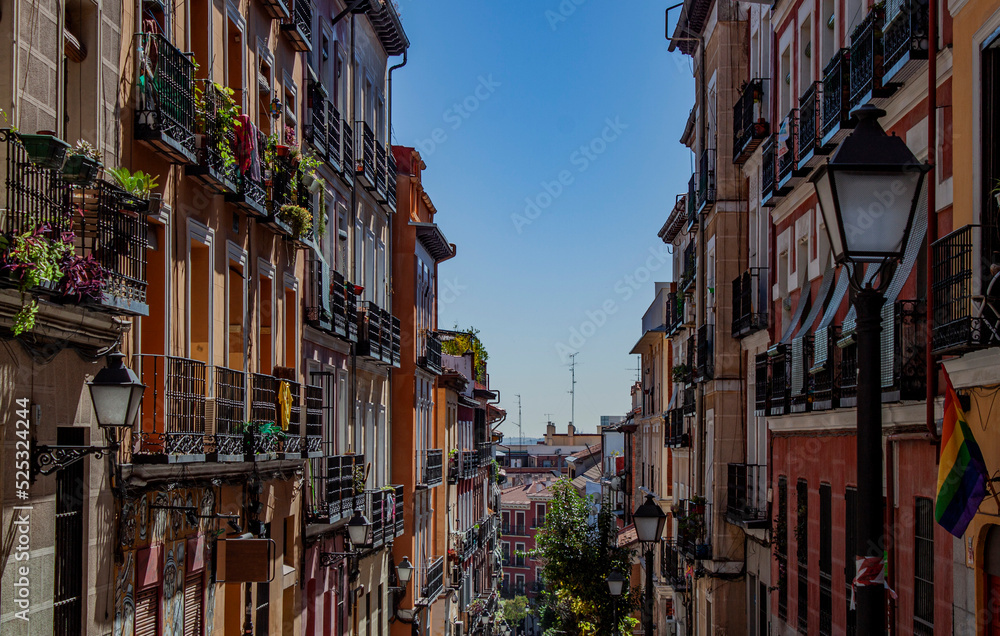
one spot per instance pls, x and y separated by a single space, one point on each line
83 164
296 216
226 122
33 260
83 279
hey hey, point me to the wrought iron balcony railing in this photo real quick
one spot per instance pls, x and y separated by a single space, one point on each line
746 495
217 168
514 530
825 369
671 565
966 291
692 200
293 443
689 267
333 135
432 581
780 388
299 27
165 106
263 412
706 179
344 307
431 470
902 354
750 302
380 168
318 285
276 9
314 421
801 381
706 353
390 188
344 485
675 432
251 192
172 420
365 155
768 170
348 167
316 133
867 57
836 96
810 141
905 38
788 148
431 358
225 413
694 529
689 405
762 385
750 126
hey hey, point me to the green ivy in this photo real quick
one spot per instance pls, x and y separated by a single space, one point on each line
464 342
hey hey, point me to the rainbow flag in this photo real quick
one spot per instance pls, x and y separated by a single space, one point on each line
961 472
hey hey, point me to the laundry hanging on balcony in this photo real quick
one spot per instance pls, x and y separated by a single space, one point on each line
246 148
284 404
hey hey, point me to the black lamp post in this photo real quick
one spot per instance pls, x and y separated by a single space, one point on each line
649 520
868 194
615 584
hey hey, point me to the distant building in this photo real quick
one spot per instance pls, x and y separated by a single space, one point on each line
570 437
608 420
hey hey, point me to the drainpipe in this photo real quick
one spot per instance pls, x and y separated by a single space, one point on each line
931 370
388 135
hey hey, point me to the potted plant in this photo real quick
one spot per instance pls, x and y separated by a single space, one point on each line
139 184
297 217
33 261
45 149
82 165
679 372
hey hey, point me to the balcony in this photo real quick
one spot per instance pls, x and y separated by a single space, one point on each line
867 55
348 167
674 312
298 28
671 565
825 369
282 192
848 370
344 307
333 136
468 464
966 296
694 529
390 186
379 335
431 358
688 405
689 267
365 156
316 132
318 284
514 530
217 168
431 470
903 350
485 451
750 127
801 384
788 151
768 172
810 144
432 579
251 193
384 509
780 388
706 358
380 176
314 422
172 420
750 302
275 9
762 385
837 98
706 181
692 201
165 107
344 485
905 39
675 432
293 444
225 413
746 495
263 413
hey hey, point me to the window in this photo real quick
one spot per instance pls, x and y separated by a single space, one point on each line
234 59
923 568
263 608
781 525
194 592
291 323
802 553
147 612
68 591
519 555
199 279
265 318
805 54
539 515
825 565
850 567
236 308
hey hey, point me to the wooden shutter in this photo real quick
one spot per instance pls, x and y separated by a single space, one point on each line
193 602
147 612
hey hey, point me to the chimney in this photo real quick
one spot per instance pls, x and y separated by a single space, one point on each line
571 430
550 431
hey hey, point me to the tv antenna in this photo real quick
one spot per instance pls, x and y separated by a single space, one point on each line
572 390
520 433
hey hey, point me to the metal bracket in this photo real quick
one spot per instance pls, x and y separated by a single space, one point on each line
46 459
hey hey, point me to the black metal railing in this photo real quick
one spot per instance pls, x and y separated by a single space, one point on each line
675 432
227 411
905 33
431 360
366 153
33 195
469 464
689 266
750 125
788 148
867 56
966 294
333 133
347 150
692 200
903 351
706 178
344 307
836 93
768 166
694 529
433 581
800 380
390 187
293 442
780 389
746 495
674 311
671 565
849 374
371 335
380 167
514 530
810 121
750 302
345 484
299 27
172 420
706 357
826 369
318 130
432 472
762 384
688 404
314 420
166 106
318 308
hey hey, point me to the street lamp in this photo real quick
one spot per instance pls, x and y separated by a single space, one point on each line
868 193
649 520
615 583
404 571
357 529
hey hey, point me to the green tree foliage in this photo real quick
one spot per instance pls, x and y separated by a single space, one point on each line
577 558
515 610
468 340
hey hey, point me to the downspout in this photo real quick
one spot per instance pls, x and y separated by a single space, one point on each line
354 211
388 135
932 176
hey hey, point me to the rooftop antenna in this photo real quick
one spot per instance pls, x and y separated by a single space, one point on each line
520 433
572 390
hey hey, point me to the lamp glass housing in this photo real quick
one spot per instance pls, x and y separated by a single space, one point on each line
615 583
649 520
357 529
404 570
116 393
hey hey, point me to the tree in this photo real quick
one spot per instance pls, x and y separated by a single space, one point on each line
514 611
576 560
464 342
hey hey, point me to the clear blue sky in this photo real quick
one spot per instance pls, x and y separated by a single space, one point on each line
582 116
